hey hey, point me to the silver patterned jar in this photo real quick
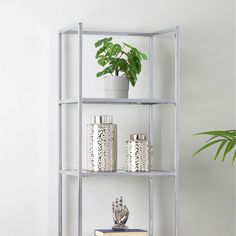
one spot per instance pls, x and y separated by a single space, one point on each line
138 153
102 144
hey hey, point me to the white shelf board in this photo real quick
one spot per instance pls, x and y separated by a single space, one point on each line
73 29
86 173
134 101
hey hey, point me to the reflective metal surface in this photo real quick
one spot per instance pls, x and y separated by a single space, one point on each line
120 215
102 144
105 119
138 153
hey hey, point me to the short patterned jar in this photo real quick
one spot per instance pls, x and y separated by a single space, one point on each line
102 144
138 153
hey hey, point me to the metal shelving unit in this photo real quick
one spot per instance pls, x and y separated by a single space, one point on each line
80 173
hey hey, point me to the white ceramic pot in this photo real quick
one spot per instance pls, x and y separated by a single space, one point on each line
116 87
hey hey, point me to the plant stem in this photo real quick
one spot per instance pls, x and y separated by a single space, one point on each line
121 53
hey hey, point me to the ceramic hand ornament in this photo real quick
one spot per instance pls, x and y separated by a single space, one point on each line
120 214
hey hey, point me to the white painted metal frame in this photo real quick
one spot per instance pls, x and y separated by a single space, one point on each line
78 29
150 132
177 113
60 136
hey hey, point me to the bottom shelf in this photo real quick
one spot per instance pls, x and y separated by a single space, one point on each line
87 173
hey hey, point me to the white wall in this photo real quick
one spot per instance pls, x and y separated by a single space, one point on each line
28 59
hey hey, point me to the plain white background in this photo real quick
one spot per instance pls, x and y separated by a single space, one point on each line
28 131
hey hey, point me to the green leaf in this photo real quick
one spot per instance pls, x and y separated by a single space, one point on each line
207 145
232 132
99 43
113 60
108 70
133 72
234 157
132 80
122 64
116 49
127 45
218 133
101 50
102 41
99 74
228 148
219 149
132 77
228 141
135 53
213 137
137 65
102 61
144 56
108 41
109 50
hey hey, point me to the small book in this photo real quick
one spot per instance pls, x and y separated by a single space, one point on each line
128 232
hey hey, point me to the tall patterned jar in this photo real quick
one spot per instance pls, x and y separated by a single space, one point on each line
138 153
102 144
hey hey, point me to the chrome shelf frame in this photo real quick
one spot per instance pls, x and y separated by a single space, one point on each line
80 173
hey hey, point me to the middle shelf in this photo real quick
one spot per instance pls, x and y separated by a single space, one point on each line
87 173
134 101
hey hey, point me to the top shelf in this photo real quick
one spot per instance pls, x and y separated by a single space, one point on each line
73 29
133 101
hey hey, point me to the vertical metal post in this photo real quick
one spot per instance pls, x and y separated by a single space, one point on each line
80 41
60 135
151 132
177 99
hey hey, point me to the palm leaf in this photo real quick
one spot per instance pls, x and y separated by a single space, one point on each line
206 146
234 157
219 133
219 149
227 139
228 148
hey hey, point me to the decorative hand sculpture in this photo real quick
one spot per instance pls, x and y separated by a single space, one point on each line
120 214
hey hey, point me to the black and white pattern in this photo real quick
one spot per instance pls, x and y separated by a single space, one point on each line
102 147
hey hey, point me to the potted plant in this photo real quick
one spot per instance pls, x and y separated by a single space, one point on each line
122 63
226 140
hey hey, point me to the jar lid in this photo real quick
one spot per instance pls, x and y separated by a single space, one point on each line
138 136
98 119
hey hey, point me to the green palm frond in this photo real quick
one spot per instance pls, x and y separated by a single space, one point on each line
226 140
